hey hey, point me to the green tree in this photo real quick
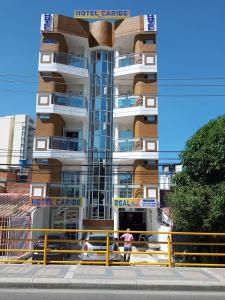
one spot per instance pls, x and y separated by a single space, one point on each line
204 154
197 199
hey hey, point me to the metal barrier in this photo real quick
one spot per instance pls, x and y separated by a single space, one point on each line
170 254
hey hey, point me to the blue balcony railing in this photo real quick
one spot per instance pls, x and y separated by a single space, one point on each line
128 60
128 101
67 100
67 190
70 59
128 145
69 144
128 190
131 144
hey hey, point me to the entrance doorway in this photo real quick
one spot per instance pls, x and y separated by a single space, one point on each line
66 218
135 220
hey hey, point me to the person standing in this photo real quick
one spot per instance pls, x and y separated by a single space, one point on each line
128 238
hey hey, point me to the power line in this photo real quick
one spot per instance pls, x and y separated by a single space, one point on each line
222 77
5 150
99 164
157 95
73 83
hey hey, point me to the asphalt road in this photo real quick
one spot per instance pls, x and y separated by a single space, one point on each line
37 294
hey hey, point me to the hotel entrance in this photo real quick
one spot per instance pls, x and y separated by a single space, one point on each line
66 218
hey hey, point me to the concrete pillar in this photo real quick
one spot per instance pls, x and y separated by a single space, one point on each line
148 219
80 222
116 93
116 135
116 60
116 220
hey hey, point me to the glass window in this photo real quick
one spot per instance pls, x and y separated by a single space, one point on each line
125 134
149 41
150 76
100 132
41 161
49 41
71 177
150 119
44 117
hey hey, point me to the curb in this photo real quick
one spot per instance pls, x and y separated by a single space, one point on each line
43 283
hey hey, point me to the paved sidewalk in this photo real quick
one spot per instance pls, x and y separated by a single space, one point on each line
115 277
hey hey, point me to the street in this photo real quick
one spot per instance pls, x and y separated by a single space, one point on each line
36 294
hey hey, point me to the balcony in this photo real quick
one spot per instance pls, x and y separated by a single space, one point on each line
64 189
66 105
135 105
135 191
132 149
63 63
135 196
61 148
132 64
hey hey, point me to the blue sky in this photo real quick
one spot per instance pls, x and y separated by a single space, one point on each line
190 41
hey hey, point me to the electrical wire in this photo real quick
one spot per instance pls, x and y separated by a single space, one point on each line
157 95
73 83
222 77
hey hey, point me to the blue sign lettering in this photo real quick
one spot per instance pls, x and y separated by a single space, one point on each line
151 22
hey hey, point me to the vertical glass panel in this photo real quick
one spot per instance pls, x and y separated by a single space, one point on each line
100 133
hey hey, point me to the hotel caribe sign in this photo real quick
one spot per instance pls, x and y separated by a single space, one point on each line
101 14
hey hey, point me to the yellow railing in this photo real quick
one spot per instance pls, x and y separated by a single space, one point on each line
171 256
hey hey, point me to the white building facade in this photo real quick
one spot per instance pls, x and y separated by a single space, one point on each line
16 140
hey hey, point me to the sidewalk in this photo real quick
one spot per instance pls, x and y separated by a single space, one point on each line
116 277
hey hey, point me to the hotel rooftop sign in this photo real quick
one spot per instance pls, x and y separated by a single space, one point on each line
101 14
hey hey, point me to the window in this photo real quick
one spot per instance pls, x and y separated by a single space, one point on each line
44 117
41 161
148 42
150 162
71 177
124 134
49 41
150 76
125 191
150 119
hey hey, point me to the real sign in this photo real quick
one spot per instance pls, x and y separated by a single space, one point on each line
150 23
126 202
47 22
134 203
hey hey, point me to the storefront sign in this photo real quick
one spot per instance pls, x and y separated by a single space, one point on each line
47 22
149 22
56 202
134 203
101 14
148 203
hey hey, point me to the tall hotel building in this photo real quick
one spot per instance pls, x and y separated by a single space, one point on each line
96 145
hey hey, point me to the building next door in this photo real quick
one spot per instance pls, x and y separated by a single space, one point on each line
66 218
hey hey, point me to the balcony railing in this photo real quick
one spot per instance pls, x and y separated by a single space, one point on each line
69 100
64 58
130 190
70 59
129 59
135 145
135 58
66 190
128 101
69 144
